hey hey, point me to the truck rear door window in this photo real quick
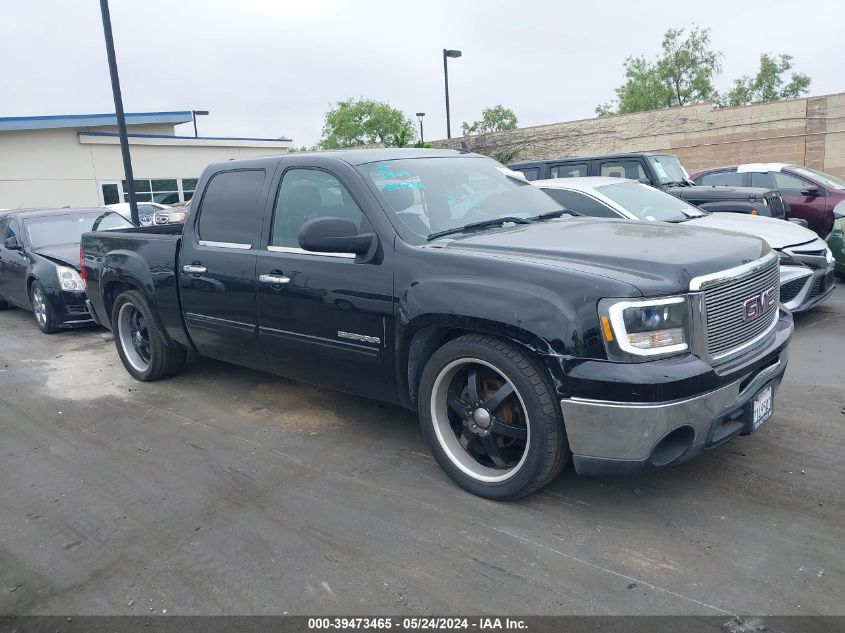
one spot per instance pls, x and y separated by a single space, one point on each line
306 194
572 170
229 209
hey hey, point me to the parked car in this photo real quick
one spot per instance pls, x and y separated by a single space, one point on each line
439 281
836 239
146 211
811 194
663 171
172 215
39 262
806 263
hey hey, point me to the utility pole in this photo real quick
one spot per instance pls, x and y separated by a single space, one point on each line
118 110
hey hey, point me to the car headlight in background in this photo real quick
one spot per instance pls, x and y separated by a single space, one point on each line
69 279
651 327
828 255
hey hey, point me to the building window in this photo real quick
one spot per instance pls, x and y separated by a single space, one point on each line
189 185
161 190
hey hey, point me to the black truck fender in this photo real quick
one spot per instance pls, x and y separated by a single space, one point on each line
123 270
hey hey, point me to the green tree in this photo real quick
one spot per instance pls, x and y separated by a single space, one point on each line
364 122
495 119
769 83
681 75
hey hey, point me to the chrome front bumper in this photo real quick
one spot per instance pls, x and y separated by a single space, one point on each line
619 437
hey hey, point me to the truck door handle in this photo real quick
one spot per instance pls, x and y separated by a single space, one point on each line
273 279
193 269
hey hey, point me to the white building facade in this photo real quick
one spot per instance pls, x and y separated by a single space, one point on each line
75 160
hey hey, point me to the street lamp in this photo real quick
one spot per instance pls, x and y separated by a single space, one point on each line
194 115
447 53
420 116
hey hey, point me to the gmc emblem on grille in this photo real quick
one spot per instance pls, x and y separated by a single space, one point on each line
757 305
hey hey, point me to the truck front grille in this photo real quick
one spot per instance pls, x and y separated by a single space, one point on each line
731 325
777 206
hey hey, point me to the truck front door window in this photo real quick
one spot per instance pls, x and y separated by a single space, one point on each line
790 185
623 169
306 194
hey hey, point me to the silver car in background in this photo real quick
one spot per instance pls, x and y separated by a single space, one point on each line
806 262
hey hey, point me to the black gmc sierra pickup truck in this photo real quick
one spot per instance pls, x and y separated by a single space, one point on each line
440 281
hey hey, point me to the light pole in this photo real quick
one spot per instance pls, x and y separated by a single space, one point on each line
420 116
194 115
118 111
447 53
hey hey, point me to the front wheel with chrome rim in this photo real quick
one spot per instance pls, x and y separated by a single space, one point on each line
45 316
140 342
490 417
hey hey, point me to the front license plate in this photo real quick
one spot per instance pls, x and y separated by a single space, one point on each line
762 407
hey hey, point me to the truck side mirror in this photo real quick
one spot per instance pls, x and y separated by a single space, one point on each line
811 192
334 235
12 244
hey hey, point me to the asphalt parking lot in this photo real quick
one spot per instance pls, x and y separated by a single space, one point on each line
227 491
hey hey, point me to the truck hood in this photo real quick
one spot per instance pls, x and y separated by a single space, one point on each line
656 258
705 192
778 233
62 254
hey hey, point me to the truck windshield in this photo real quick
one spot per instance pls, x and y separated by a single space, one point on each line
668 169
432 195
649 204
67 228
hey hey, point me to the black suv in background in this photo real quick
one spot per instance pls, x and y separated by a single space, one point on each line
665 172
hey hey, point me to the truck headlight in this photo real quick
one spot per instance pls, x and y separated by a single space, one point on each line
69 279
644 328
828 255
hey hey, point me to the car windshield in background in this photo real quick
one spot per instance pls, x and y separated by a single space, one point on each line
430 195
826 179
67 228
668 169
648 203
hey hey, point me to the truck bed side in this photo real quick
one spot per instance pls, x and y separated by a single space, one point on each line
145 259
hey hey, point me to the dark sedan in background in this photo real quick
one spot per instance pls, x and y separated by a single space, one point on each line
39 262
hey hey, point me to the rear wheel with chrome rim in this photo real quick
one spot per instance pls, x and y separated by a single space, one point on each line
45 316
140 342
490 417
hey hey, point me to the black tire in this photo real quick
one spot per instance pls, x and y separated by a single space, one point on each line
140 342
42 310
3 305
530 451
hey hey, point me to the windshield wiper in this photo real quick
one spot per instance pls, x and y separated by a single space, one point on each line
551 215
479 225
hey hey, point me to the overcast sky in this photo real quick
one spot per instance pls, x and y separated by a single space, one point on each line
271 68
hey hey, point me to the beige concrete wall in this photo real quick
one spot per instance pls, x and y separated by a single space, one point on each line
805 131
53 168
